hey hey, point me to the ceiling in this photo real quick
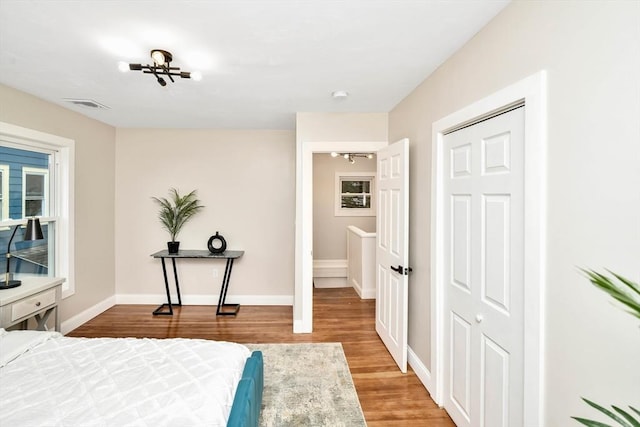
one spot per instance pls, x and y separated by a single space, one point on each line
261 60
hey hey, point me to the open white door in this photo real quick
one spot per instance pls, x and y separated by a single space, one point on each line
392 249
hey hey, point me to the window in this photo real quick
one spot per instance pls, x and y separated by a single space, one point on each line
35 192
40 184
355 194
4 192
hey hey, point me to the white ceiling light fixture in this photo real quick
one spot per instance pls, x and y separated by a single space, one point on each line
340 94
351 157
161 67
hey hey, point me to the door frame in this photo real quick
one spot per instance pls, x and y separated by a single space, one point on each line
303 288
531 92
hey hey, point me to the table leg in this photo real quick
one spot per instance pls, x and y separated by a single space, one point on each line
159 311
223 293
42 320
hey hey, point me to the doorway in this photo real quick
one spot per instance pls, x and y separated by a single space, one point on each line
343 185
303 293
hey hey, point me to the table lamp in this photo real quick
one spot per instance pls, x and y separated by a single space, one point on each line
33 232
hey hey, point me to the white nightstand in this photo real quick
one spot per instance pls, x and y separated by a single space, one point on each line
37 297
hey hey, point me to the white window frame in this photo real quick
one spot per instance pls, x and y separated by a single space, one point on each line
4 202
355 176
62 197
45 198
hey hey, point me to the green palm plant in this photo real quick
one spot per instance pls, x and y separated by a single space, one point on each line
628 294
176 210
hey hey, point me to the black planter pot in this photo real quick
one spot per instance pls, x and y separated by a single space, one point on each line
173 247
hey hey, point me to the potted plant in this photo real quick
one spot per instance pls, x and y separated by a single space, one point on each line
175 212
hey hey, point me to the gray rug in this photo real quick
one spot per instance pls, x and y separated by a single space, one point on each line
308 385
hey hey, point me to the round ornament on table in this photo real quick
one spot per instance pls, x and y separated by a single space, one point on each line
217 244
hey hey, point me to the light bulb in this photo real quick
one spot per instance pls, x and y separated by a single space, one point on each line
334 154
369 156
346 156
158 57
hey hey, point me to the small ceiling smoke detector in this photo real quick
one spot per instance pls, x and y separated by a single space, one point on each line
89 103
340 94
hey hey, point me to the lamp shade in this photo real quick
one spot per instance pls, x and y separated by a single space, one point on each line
34 230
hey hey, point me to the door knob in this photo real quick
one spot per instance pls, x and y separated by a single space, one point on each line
479 318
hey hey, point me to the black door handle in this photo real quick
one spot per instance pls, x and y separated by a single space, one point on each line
402 270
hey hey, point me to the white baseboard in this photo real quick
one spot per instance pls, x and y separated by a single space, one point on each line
88 314
329 268
298 327
363 293
423 374
138 299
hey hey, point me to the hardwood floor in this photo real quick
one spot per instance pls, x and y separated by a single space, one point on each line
387 396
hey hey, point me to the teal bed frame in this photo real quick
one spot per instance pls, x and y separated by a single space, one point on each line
247 402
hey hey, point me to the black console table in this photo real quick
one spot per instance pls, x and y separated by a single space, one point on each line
230 256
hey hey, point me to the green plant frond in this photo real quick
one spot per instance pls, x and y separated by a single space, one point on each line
175 211
591 423
608 413
627 416
635 410
633 286
618 291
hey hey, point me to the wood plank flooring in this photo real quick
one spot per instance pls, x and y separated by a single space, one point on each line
387 396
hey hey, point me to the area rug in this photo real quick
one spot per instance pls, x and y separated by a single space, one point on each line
308 385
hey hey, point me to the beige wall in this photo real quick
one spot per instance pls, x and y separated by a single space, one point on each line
94 191
330 231
591 51
327 127
245 179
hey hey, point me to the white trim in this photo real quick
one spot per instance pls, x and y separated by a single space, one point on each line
303 290
212 300
330 267
533 91
44 172
420 369
88 314
338 210
4 203
64 200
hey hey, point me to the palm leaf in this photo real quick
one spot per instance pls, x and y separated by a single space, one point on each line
627 419
176 211
627 416
591 423
608 413
624 290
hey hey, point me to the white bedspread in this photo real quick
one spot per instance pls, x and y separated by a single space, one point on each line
61 381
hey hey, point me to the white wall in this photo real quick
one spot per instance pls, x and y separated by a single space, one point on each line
245 179
330 231
591 51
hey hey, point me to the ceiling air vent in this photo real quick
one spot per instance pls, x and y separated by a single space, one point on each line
89 103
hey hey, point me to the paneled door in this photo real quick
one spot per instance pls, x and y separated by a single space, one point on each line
392 249
483 272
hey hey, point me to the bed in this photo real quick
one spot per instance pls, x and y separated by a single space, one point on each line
47 379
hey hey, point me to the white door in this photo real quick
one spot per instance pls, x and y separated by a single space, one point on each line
392 249
483 272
